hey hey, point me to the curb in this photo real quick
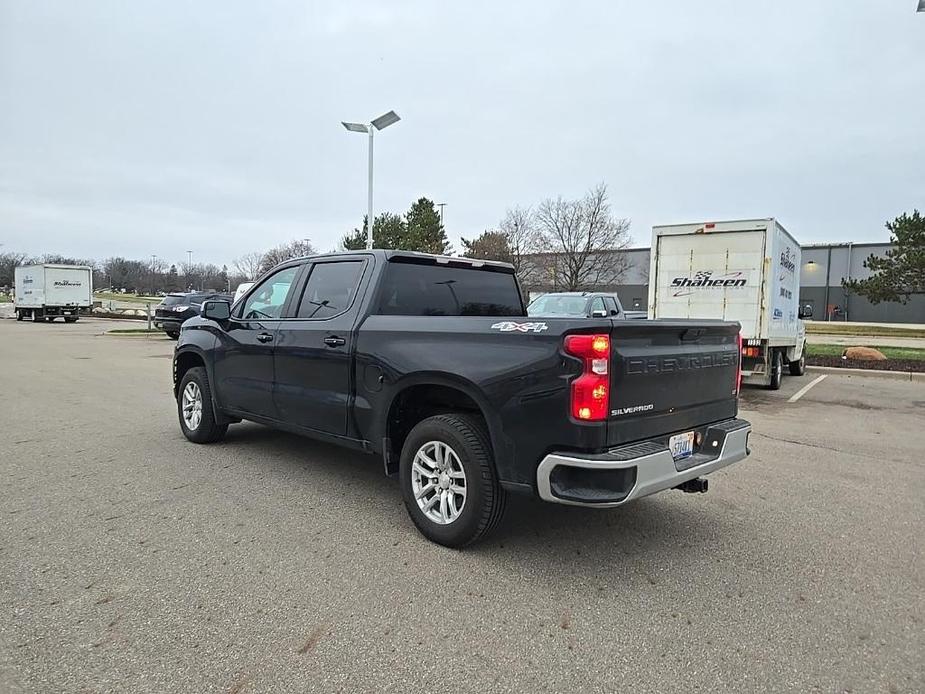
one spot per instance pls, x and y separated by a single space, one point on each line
872 373
110 333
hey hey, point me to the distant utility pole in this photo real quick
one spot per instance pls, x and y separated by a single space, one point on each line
189 269
441 205
153 273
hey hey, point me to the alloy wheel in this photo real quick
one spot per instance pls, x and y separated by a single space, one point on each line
438 482
192 405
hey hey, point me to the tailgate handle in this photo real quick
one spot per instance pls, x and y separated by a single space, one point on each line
692 334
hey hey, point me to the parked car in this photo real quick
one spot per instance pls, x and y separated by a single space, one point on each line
177 308
432 364
577 304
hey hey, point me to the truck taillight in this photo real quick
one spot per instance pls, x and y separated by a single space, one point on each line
738 387
591 390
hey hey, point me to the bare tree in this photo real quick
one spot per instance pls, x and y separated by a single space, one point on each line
284 252
582 240
519 226
248 265
8 264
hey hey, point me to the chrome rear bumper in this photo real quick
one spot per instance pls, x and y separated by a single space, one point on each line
639 469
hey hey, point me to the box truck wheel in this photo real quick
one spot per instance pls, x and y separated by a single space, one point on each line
70 319
19 314
798 368
37 316
777 370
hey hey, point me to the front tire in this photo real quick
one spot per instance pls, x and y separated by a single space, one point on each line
798 368
777 370
448 479
194 407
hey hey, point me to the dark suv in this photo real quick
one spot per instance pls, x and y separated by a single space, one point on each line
175 309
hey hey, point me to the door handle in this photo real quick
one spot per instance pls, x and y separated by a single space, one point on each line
264 337
334 341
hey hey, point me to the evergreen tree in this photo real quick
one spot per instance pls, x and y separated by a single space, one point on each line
900 273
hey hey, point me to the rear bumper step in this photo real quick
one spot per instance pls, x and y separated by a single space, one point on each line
637 470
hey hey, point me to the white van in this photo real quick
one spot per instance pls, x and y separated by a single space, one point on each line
746 271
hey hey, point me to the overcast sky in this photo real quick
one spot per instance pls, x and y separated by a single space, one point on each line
132 128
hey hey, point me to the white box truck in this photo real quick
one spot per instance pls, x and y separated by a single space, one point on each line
44 292
746 271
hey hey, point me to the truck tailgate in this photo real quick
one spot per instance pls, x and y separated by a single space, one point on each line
670 376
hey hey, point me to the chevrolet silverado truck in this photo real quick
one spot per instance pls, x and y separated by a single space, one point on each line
432 364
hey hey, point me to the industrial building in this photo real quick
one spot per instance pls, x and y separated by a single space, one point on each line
824 266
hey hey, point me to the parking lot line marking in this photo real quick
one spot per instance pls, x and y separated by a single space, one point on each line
805 389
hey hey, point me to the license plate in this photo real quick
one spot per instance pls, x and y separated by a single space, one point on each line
681 445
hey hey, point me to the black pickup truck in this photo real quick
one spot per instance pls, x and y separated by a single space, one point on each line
432 364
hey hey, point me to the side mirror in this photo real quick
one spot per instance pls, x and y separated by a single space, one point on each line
805 311
598 314
215 309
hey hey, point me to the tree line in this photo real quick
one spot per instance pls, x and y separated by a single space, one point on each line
560 243
156 275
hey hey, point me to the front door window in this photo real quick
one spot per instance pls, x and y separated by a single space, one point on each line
267 301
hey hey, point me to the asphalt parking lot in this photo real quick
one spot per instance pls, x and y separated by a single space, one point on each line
132 560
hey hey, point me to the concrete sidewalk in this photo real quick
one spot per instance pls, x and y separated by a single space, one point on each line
908 326
865 340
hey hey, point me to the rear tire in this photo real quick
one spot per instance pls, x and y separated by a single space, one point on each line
37 316
173 335
70 319
19 314
777 370
194 408
469 516
798 368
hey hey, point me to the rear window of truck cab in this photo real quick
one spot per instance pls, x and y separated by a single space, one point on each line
414 289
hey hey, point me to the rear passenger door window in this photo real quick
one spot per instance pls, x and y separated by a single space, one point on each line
330 289
597 305
611 306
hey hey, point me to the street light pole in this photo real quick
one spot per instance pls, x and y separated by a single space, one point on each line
380 123
189 268
369 194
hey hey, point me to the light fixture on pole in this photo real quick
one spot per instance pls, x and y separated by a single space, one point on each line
380 123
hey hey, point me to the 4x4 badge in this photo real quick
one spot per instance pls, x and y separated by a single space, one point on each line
512 327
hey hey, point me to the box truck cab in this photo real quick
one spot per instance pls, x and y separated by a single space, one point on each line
746 271
44 292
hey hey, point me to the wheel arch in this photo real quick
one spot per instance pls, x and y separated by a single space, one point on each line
185 360
424 395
